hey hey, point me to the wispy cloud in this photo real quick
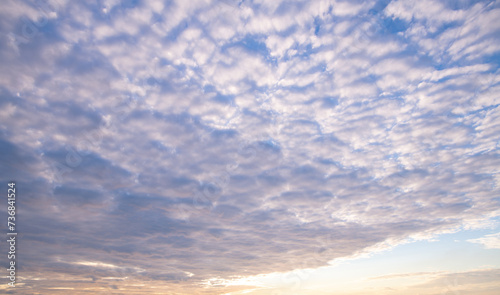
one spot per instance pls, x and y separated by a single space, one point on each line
489 241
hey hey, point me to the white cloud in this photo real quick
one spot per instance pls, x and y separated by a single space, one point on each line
489 241
331 121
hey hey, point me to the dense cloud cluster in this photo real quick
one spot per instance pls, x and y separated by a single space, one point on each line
174 142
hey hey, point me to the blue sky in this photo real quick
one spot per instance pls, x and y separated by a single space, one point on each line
253 147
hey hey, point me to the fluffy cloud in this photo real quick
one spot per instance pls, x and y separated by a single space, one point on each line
178 142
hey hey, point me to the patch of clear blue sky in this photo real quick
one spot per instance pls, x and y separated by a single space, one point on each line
448 252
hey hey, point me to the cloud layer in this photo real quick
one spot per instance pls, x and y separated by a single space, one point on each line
174 143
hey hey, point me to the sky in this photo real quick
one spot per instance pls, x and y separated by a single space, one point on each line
252 147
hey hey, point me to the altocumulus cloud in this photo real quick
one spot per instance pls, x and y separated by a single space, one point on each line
161 144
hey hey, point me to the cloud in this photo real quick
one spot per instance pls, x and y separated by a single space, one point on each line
480 281
489 241
188 141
